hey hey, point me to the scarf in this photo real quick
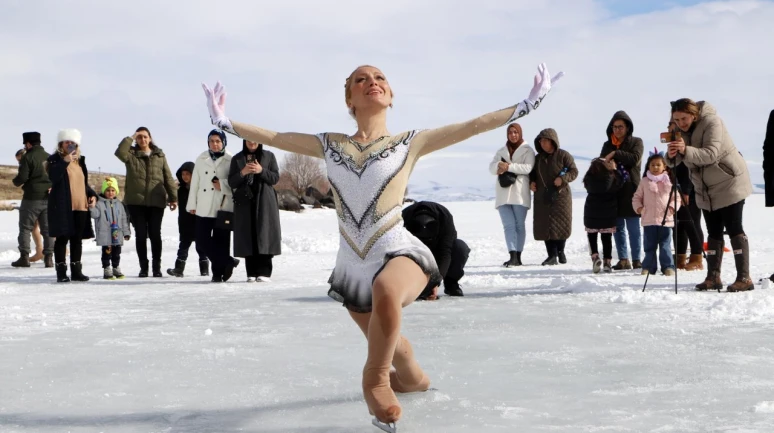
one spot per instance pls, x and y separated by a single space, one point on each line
513 146
615 141
656 179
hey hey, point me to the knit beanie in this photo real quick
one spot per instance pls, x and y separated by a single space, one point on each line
109 182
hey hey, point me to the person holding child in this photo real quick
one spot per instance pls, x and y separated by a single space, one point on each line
655 204
603 181
112 227
68 204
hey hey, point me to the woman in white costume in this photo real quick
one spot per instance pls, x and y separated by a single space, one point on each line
380 267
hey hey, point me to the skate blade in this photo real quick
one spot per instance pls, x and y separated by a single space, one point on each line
389 427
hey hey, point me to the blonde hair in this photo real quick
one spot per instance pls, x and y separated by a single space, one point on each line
348 89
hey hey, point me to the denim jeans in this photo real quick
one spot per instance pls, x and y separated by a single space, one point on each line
634 235
513 217
658 238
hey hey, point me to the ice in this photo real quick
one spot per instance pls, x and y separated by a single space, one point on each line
531 348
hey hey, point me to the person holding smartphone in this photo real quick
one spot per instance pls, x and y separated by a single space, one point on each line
721 184
257 233
68 204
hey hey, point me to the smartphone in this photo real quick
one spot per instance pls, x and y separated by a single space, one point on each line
71 147
250 158
667 137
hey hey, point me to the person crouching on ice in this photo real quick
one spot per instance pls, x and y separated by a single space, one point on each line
656 205
433 224
112 228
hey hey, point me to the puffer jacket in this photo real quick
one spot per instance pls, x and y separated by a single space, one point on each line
653 198
32 175
718 171
521 164
552 215
203 197
104 213
149 181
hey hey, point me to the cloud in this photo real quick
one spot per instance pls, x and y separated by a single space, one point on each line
108 67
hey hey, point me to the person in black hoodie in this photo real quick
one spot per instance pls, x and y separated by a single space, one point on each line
600 211
186 225
433 224
626 150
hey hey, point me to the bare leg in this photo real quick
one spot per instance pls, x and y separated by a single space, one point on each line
38 239
397 286
408 375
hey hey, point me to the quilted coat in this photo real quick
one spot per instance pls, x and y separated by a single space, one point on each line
553 206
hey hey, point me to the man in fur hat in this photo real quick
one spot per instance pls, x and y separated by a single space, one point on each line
33 180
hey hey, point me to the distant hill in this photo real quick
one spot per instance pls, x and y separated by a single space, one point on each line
10 192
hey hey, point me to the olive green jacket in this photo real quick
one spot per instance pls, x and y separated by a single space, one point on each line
149 182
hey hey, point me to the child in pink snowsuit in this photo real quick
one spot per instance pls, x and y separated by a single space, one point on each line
651 201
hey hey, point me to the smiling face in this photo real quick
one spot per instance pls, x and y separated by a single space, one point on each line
514 135
367 89
143 140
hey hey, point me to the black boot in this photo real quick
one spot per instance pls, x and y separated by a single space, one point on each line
741 247
61 273
551 261
23 262
49 260
178 269
714 260
143 269
518 258
229 270
157 268
562 257
204 268
75 271
511 261
452 289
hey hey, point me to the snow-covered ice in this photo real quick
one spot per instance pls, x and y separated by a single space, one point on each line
530 349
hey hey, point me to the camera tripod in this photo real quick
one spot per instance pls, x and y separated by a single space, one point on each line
674 192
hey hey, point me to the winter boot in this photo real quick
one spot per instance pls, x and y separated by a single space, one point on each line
23 262
562 257
229 270
143 269
157 268
512 260
622 264
75 271
61 273
117 273
680 261
204 268
518 258
452 289
607 267
636 264
741 247
550 261
714 261
49 260
107 273
695 263
596 263
178 269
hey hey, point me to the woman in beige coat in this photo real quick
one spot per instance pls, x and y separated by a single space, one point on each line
721 183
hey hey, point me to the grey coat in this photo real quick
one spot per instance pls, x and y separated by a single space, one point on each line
103 217
718 171
256 210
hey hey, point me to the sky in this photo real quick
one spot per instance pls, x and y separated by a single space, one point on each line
108 67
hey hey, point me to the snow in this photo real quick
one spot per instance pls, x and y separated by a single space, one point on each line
531 349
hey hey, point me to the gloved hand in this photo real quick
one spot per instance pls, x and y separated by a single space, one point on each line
543 83
216 104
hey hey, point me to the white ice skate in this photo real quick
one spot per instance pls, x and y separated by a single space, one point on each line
389 427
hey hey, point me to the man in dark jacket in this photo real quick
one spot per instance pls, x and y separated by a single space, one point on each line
34 181
186 225
626 150
433 224
768 165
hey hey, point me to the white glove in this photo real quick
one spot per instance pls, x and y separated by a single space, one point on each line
216 104
543 83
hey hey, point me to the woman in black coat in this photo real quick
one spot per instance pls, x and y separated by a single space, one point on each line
257 234
600 212
68 204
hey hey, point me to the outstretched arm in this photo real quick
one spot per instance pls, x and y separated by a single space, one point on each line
304 144
435 139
